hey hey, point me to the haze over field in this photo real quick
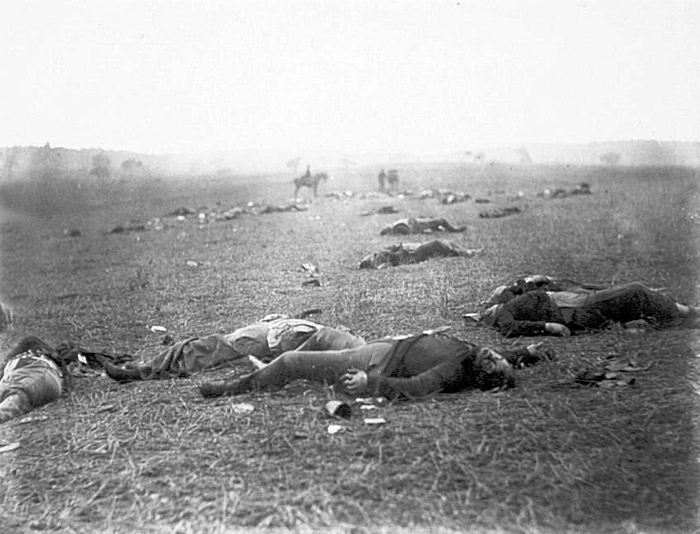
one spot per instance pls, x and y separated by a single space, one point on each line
362 76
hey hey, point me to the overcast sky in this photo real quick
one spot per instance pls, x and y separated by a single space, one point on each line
351 75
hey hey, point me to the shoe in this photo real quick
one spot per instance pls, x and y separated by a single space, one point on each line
213 389
121 374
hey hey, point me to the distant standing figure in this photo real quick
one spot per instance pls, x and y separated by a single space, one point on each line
393 180
382 181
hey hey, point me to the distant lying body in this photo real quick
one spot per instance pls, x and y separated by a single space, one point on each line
264 340
406 253
582 189
414 225
499 213
449 197
542 305
279 208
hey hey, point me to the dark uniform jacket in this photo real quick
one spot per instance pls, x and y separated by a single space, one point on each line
422 365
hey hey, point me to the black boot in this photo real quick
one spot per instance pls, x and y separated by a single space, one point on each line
121 374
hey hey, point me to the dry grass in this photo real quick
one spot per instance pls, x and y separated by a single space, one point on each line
543 457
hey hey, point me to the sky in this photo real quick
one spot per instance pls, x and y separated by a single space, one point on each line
353 75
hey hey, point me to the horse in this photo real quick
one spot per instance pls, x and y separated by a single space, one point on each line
310 181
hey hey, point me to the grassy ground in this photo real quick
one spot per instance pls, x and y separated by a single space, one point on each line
543 457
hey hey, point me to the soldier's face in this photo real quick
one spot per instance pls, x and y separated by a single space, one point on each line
490 360
495 368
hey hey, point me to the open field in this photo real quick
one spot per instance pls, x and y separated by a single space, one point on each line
542 457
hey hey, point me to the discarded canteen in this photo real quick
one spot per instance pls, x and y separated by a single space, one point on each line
336 408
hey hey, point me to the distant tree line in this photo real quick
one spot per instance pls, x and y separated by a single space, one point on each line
47 164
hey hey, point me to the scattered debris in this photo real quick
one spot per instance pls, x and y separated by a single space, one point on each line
613 374
472 317
71 232
437 330
371 400
310 268
307 313
10 447
335 429
155 329
242 408
373 421
180 212
626 365
33 419
312 271
603 379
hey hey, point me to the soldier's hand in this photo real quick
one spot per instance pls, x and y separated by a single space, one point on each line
539 351
354 381
535 348
557 329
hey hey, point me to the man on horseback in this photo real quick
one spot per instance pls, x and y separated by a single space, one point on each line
309 180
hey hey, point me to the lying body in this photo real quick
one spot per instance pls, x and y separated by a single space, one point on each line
407 253
541 305
33 373
31 377
418 225
264 340
411 367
